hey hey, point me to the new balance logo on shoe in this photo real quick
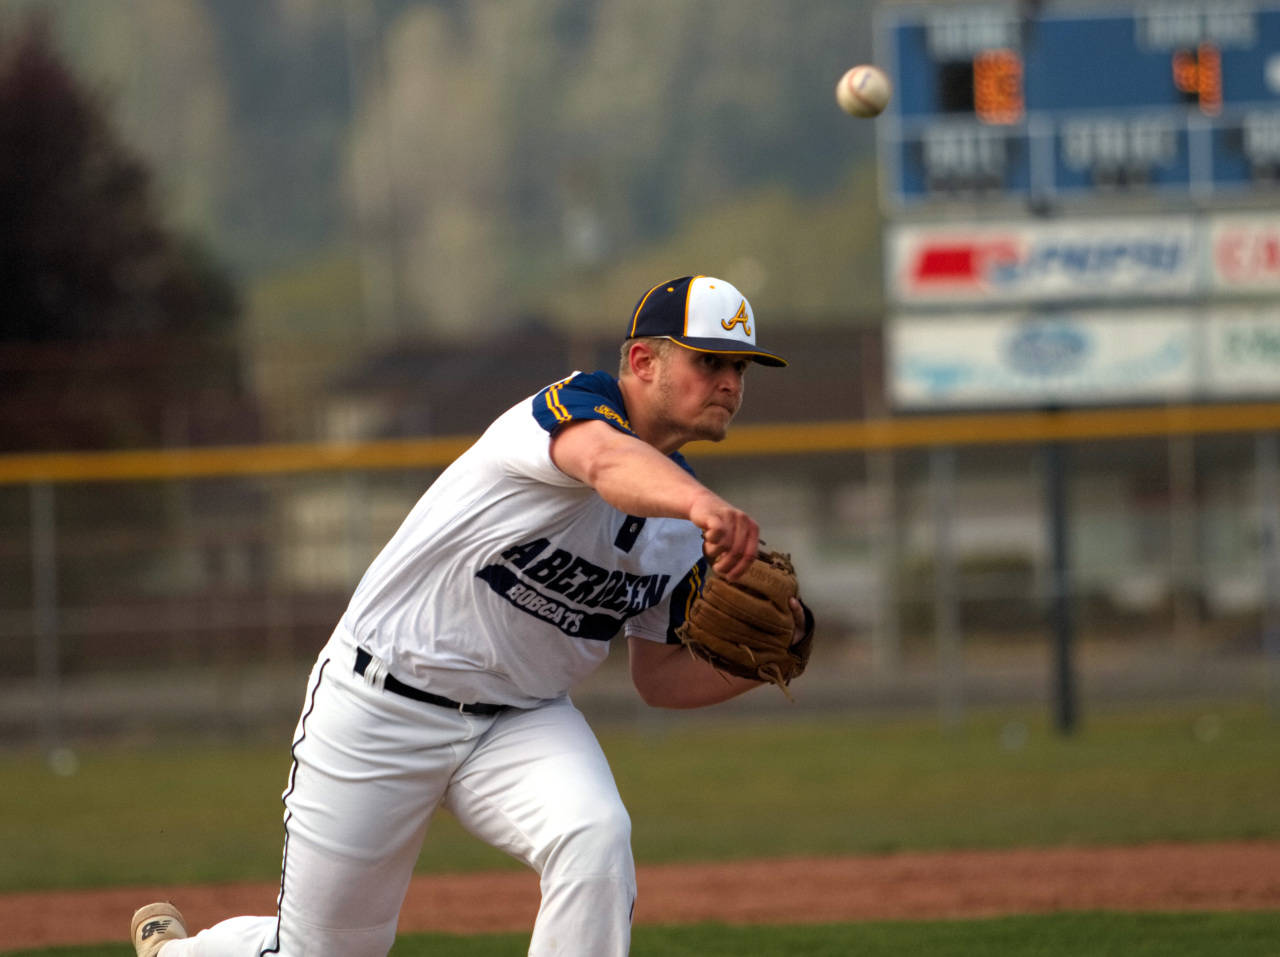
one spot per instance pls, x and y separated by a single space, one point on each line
154 927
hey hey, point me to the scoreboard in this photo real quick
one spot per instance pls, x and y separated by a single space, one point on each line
1044 103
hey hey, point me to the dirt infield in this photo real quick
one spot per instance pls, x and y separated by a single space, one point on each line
1165 877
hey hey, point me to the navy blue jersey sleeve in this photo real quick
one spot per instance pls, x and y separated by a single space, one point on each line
583 396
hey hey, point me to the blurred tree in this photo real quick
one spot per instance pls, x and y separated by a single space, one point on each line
88 270
83 252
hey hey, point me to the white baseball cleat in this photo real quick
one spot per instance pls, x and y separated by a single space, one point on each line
154 926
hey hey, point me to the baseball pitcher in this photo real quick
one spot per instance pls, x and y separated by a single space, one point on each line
572 519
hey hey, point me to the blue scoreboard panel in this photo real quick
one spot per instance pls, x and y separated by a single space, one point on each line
1048 103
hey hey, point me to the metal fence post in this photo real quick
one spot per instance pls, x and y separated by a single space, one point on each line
942 468
886 641
1184 568
44 614
1268 469
1061 620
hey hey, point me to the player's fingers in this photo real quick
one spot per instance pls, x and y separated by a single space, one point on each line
711 544
730 537
740 549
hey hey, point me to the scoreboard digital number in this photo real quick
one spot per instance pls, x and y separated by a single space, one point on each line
1047 103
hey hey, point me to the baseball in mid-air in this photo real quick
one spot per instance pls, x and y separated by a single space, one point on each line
863 91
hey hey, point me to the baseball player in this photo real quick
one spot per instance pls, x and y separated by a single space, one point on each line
572 519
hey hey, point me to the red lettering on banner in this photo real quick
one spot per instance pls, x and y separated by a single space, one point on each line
946 263
1248 256
961 262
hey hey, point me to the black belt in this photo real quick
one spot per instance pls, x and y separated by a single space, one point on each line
396 686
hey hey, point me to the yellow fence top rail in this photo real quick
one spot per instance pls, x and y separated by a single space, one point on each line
795 438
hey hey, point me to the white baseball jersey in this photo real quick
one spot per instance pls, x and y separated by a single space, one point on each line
508 578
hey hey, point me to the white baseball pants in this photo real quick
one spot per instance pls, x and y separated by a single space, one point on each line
371 767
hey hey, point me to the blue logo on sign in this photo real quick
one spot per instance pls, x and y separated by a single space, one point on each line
1045 348
1109 262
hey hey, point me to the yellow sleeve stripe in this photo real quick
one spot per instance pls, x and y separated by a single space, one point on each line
555 405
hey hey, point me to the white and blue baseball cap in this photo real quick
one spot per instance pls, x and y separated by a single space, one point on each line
701 313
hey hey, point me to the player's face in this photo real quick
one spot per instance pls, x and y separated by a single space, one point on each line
700 392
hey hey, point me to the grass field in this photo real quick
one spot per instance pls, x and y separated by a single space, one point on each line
850 785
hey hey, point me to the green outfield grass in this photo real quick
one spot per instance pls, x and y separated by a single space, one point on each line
190 813
1059 935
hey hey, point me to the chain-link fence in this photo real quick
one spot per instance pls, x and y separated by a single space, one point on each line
195 593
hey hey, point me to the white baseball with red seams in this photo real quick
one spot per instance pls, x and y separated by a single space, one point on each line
863 91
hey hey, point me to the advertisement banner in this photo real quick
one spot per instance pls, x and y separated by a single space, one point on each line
1244 252
1041 359
1242 352
1034 261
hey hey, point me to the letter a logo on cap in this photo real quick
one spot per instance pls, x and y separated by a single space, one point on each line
739 317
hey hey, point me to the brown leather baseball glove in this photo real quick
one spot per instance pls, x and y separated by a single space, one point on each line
745 627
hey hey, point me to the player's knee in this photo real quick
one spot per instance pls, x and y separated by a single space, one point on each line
597 842
606 832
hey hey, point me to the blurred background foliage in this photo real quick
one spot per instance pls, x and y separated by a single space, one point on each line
455 168
87 263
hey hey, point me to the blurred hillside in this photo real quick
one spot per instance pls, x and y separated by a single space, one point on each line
381 168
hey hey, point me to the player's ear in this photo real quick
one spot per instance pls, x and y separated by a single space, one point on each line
643 358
